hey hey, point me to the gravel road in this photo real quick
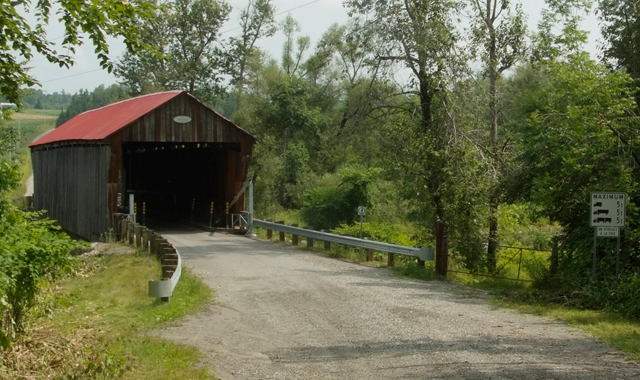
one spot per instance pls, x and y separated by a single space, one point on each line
282 313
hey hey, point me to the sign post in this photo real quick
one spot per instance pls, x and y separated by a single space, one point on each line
362 211
607 217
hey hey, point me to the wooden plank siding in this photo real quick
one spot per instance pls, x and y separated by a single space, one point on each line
70 182
205 125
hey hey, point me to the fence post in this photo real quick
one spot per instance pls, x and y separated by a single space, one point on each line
152 241
327 244
281 233
131 233
369 253
553 266
294 238
520 264
390 259
137 230
145 238
442 249
309 240
269 231
123 230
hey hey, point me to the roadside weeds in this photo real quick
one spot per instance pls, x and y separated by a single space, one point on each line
93 326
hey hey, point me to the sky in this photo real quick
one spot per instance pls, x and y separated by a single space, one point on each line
314 17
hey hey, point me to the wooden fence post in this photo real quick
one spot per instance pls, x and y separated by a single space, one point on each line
269 231
130 232
145 238
309 240
294 238
327 244
553 266
281 233
137 230
390 259
369 254
123 230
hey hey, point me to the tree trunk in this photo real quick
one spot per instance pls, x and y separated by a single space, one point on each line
492 246
494 200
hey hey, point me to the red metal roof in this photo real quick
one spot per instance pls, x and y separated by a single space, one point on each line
102 122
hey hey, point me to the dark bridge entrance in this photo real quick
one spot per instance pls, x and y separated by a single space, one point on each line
179 181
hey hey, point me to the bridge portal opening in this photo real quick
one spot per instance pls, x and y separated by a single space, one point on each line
177 182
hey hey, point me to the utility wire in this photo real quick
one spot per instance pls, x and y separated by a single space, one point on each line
70 76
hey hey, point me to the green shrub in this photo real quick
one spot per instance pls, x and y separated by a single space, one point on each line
31 250
376 231
327 207
623 298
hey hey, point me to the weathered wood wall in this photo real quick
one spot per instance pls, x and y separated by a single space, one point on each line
205 125
70 182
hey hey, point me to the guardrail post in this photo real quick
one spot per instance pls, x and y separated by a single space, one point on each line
152 241
145 238
327 244
391 258
123 230
163 245
269 231
309 240
130 232
369 254
137 230
294 238
281 233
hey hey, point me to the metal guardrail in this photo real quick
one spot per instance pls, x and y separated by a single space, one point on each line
423 253
162 288
149 241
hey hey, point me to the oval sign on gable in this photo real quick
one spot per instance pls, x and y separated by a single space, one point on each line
182 119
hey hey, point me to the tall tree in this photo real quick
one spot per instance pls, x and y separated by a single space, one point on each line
189 57
294 49
419 35
99 19
499 32
621 30
256 21
148 71
579 137
559 35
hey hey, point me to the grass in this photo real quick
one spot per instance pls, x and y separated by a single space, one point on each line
30 124
53 114
97 321
614 329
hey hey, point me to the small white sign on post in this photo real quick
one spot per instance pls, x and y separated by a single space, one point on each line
362 211
608 231
608 209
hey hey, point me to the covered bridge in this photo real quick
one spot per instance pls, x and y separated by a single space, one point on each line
176 155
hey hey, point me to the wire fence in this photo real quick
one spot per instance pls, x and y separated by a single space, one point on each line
515 263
